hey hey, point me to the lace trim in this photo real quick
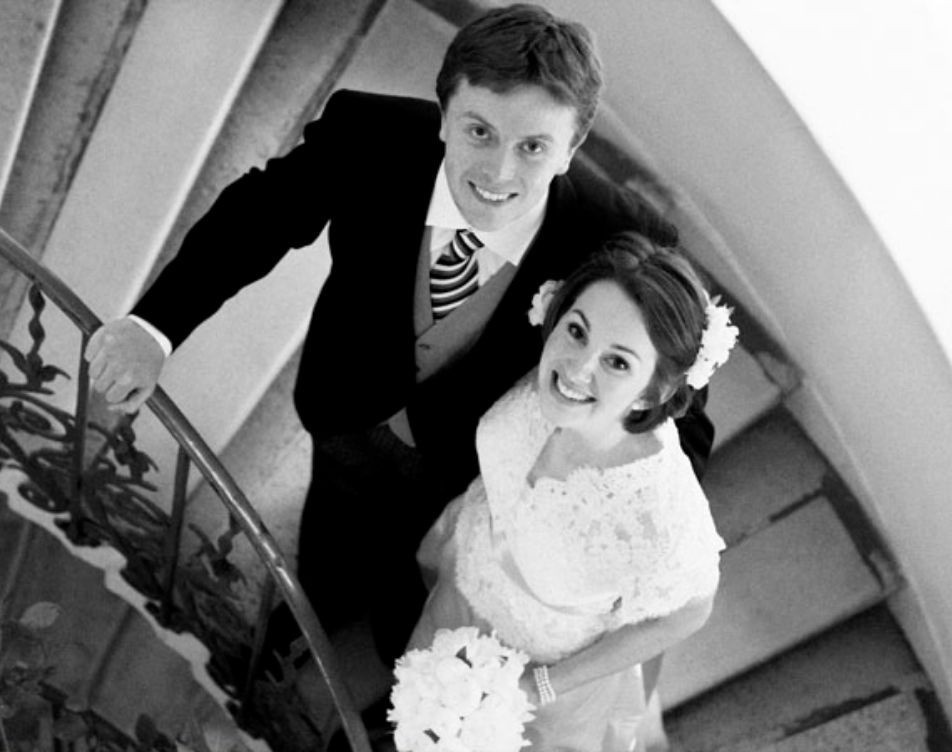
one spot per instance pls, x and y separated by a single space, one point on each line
520 620
625 552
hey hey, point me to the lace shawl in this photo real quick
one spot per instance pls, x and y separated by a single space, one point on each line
554 566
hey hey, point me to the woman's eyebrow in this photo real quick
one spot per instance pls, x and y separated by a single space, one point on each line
624 348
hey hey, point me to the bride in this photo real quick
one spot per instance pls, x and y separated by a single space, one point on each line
587 541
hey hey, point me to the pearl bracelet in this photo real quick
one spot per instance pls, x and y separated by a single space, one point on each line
543 685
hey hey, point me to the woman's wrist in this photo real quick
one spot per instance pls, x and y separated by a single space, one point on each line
543 685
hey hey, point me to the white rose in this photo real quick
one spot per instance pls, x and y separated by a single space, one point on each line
490 729
448 642
413 740
462 696
446 724
452 669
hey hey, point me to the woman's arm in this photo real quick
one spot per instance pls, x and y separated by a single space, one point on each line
631 644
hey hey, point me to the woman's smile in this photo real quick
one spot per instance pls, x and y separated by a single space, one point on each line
597 362
569 392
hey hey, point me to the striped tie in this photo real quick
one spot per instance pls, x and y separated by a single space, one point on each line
455 275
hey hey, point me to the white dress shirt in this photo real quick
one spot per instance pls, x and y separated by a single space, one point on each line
507 245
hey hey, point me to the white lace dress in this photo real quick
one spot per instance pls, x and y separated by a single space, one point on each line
554 566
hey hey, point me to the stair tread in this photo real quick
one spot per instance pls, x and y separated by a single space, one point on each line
25 31
99 635
864 657
162 684
791 580
88 611
739 394
13 530
895 724
769 468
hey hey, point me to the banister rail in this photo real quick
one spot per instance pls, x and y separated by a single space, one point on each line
193 446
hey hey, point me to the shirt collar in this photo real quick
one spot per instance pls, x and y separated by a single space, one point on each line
510 242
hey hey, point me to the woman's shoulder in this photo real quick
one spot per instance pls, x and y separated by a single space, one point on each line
519 403
658 482
511 432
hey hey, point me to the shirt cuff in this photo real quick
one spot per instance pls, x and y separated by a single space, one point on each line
164 342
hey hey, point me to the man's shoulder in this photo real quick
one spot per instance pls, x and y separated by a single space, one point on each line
370 124
363 105
598 203
592 187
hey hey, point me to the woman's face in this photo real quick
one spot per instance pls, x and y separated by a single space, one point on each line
596 363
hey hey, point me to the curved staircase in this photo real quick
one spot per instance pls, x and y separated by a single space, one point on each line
121 122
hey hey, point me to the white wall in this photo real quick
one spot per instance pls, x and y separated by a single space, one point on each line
876 93
812 260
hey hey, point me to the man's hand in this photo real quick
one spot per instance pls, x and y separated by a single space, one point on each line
124 364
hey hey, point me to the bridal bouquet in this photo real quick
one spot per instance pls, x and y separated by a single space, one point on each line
460 695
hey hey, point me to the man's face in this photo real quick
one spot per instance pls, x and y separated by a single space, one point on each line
502 150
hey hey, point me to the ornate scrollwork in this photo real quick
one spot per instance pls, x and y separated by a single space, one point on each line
102 498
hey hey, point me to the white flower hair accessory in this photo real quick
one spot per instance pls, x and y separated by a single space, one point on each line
541 300
716 342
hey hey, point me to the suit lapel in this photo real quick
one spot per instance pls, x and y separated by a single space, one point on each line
403 187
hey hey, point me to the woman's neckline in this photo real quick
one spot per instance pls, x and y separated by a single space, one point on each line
564 453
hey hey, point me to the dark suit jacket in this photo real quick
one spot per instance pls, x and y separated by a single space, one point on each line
367 167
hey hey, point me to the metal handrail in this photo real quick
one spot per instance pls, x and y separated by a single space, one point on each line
223 484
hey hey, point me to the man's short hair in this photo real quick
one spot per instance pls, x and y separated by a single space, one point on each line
524 44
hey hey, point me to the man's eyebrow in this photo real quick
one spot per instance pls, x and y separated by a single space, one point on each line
539 137
472 115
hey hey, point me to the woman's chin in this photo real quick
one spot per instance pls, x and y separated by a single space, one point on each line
559 411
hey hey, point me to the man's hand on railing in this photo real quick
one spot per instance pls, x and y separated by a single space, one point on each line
125 362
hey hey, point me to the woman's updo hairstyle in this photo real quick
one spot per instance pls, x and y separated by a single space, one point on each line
672 299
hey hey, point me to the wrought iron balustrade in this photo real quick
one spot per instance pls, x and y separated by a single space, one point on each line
91 474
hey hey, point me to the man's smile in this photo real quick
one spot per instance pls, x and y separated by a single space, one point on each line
489 196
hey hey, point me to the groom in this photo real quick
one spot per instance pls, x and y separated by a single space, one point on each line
476 201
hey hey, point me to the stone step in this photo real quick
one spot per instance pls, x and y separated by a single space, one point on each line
150 140
791 569
893 724
778 588
26 27
110 657
762 475
14 534
90 616
162 684
857 686
739 394
144 152
79 69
